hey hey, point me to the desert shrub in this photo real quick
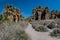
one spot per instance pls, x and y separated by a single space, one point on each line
12 31
58 26
23 23
17 35
41 28
55 33
52 25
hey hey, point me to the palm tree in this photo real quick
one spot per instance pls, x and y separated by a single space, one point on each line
52 12
39 8
34 10
53 15
47 9
34 13
10 11
47 13
57 14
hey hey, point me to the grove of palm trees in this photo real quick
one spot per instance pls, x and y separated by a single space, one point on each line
11 13
41 13
14 14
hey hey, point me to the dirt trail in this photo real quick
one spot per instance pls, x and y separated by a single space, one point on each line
34 35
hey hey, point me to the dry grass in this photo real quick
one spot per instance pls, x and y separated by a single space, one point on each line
13 31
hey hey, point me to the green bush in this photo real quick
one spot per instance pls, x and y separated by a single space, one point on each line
55 33
52 25
18 35
41 28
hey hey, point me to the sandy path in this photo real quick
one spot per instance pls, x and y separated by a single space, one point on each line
34 35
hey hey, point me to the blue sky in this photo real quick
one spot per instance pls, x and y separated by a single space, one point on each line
26 6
